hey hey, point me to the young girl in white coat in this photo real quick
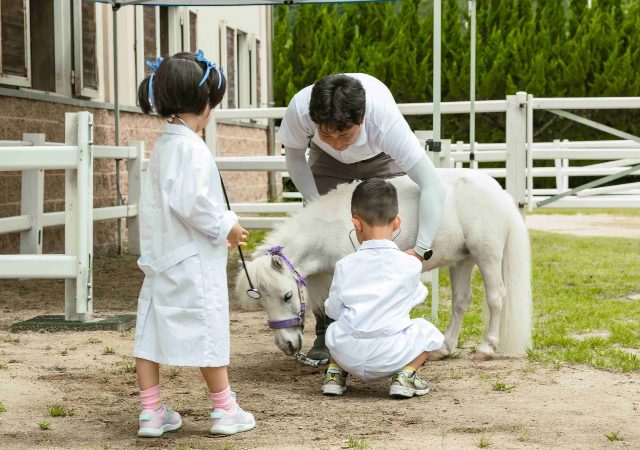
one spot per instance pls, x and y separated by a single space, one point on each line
373 291
183 308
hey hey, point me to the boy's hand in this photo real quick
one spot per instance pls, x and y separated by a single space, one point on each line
236 236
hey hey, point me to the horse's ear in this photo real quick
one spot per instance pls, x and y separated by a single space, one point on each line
276 262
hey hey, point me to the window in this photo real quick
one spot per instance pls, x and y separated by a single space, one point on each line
193 31
14 43
258 103
164 31
43 55
150 42
239 53
85 77
231 67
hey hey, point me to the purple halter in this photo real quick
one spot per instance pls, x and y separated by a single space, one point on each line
296 321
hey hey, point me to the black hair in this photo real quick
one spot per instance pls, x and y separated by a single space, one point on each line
338 102
176 87
375 201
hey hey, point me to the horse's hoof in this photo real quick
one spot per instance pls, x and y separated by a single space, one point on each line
481 356
436 355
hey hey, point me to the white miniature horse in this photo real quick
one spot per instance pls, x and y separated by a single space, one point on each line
481 226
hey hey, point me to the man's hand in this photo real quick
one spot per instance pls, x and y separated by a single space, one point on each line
236 236
412 253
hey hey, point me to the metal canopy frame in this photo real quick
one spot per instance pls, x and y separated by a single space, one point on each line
437 68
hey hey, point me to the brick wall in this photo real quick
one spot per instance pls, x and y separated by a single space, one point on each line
18 116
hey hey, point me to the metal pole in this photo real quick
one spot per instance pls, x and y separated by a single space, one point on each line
530 152
437 43
116 115
472 119
271 127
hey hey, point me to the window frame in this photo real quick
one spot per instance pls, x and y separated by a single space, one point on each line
15 80
186 28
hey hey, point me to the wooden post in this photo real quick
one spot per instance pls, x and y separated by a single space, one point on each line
134 169
459 149
79 217
32 202
516 148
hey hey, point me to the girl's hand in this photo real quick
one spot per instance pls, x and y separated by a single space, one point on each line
236 236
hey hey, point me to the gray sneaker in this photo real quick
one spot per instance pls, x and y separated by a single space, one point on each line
334 382
405 384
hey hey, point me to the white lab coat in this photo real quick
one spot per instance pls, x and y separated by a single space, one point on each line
183 308
372 293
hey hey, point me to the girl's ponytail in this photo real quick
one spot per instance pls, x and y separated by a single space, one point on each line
143 96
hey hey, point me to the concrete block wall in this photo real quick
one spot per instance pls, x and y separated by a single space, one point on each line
18 116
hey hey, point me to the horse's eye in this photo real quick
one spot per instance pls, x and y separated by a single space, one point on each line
288 296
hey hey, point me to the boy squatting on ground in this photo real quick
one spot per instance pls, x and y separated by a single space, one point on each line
372 293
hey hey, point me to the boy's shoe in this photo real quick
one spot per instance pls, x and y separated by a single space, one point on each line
406 384
154 423
231 421
335 381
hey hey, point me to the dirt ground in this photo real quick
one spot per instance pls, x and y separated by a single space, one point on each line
568 408
587 225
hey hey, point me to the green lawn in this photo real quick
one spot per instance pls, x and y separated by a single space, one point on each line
586 212
580 285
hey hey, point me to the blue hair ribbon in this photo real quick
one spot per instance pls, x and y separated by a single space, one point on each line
200 57
154 66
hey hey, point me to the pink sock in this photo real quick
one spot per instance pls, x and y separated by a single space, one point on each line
222 399
151 398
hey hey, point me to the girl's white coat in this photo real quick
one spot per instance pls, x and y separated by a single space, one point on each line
183 308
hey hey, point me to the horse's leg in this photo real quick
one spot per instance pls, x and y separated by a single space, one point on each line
461 297
491 268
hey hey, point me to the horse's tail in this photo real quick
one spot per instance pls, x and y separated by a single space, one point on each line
516 319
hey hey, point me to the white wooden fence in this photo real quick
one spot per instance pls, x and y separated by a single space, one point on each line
33 155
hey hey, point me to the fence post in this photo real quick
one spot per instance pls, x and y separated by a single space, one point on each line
79 217
459 149
558 165
32 202
516 148
134 169
565 165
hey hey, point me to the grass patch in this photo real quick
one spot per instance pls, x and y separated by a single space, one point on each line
614 436
484 443
574 280
109 351
175 371
501 386
2 408
58 411
4 366
361 444
94 341
45 426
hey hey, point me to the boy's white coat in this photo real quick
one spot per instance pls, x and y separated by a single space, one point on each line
373 292
183 310
481 226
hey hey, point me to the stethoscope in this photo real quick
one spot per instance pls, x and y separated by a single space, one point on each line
354 246
252 292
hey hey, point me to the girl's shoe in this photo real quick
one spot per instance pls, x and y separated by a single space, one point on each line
155 423
231 421
335 381
406 384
